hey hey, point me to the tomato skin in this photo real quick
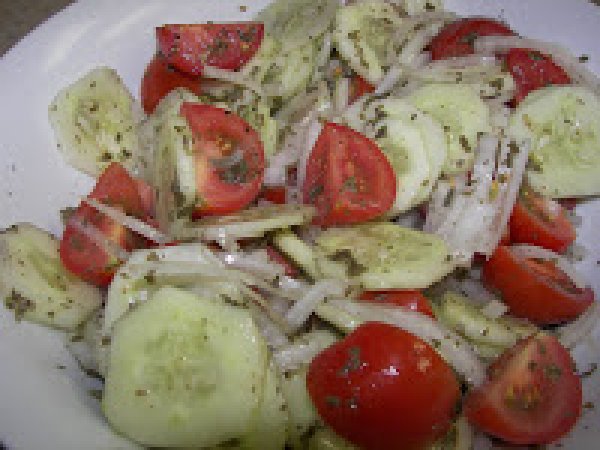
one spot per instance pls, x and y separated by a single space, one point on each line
534 222
531 395
535 291
359 87
160 78
532 70
406 299
290 269
456 39
383 388
226 46
348 178
217 134
274 194
80 255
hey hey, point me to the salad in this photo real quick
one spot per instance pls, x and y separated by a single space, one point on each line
336 226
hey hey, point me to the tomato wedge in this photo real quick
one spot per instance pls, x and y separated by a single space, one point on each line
542 222
411 300
457 38
383 388
532 70
348 178
359 87
533 289
160 78
531 395
79 252
274 194
229 159
224 45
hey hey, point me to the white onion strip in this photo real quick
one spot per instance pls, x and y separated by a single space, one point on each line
133 223
296 355
317 293
571 334
453 348
99 239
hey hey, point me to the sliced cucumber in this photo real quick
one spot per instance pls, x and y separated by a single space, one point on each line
309 258
96 122
413 7
563 125
248 223
270 422
303 415
387 256
465 318
184 371
463 115
326 439
35 284
364 36
88 345
413 142
136 280
294 22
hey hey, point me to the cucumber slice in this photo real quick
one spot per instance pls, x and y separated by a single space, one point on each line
327 439
563 125
303 415
413 7
387 256
35 284
364 36
294 22
463 115
269 426
96 122
184 371
413 142
248 223
468 320
135 281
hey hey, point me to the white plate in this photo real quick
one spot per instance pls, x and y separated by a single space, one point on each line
42 406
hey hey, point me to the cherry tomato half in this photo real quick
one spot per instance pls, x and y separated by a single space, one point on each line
531 395
533 289
542 222
384 388
457 38
225 182
160 78
226 46
532 70
348 178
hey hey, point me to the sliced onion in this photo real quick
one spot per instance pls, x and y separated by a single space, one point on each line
256 262
312 134
133 223
317 293
274 336
296 355
342 94
530 251
239 78
413 47
453 348
494 309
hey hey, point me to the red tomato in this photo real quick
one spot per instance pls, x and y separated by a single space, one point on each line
218 134
226 46
290 269
160 78
274 194
348 178
532 70
531 395
359 87
78 252
456 39
537 221
383 388
411 300
533 289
